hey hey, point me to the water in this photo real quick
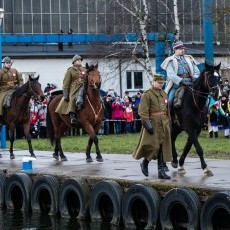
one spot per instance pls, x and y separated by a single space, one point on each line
12 220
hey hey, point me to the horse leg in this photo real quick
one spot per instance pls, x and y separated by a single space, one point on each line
99 157
174 134
186 150
88 150
28 138
62 156
193 135
12 138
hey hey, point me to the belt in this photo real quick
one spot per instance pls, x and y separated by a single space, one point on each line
184 76
157 113
11 83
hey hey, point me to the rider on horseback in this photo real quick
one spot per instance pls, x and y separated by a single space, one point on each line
9 79
181 70
73 88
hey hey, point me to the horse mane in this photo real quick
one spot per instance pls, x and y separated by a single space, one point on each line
20 90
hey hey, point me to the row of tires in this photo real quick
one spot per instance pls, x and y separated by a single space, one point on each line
140 206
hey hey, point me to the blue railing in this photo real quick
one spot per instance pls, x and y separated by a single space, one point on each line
79 38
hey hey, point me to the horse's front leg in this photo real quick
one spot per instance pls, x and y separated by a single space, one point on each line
88 150
193 135
28 138
99 157
12 138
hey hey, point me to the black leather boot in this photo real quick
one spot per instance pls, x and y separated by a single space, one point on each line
178 97
73 118
144 167
161 168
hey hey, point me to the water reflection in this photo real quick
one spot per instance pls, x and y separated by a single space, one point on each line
33 221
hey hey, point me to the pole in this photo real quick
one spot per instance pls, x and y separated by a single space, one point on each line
207 30
3 131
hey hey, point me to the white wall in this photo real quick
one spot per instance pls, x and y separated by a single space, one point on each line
53 70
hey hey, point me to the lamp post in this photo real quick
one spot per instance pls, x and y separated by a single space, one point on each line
3 131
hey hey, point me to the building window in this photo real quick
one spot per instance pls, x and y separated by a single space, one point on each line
134 79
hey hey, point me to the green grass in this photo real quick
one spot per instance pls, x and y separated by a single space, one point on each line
126 143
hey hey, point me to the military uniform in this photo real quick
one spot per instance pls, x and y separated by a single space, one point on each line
73 81
154 106
9 79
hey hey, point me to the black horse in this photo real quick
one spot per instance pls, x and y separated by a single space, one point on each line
190 117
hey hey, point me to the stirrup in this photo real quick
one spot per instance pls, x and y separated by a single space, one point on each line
73 119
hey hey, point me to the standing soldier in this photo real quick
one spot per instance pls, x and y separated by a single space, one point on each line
155 139
9 79
73 88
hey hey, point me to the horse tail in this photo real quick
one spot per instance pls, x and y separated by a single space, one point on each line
49 125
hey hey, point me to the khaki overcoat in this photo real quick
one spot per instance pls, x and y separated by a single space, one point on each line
154 101
9 79
73 80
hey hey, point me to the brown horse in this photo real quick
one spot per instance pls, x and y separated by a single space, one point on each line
90 116
19 112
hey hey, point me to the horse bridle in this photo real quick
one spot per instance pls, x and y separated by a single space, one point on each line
202 94
93 85
36 97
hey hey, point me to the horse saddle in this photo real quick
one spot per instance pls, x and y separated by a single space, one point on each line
7 99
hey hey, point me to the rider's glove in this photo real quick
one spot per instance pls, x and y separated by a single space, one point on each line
186 83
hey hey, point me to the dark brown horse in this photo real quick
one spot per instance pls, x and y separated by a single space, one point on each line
90 116
19 112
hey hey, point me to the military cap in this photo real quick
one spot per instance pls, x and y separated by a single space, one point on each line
159 78
6 59
77 57
178 45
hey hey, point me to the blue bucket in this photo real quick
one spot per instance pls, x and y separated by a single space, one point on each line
27 164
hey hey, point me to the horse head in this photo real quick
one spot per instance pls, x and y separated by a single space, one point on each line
93 76
35 88
212 79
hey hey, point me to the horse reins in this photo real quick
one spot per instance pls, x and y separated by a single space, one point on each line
95 115
201 94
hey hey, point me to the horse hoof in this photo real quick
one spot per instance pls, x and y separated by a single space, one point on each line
99 159
181 170
33 155
174 164
208 172
12 157
89 159
55 156
64 158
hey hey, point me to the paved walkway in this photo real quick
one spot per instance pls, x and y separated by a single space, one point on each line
121 167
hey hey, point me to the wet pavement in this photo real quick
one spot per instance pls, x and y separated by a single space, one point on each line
122 168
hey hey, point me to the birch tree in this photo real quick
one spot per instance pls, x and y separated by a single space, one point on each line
142 18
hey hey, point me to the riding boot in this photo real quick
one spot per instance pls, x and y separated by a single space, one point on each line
80 98
178 98
161 167
144 167
73 118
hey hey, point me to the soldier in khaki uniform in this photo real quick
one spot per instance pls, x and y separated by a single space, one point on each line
9 79
155 137
73 87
